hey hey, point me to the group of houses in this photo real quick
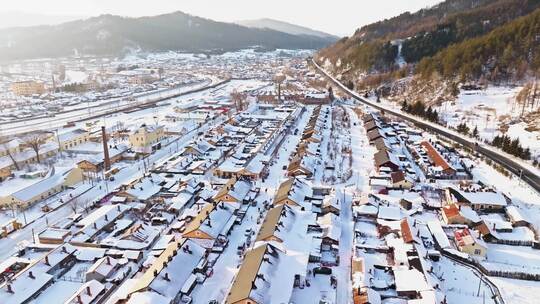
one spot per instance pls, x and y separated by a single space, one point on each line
307 155
424 206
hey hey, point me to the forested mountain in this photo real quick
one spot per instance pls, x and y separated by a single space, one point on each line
374 48
509 51
177 31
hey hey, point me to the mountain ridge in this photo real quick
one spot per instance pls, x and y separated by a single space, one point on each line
285 27
112 34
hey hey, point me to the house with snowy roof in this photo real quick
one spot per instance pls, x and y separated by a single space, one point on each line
252 282
95 162
234 191
146 188
88 293
211 224
198 148
29 283
302 166
480 200
516 216
439 166
73 138
331 228
163 280
10 146
25 156
330 204
102 269
308 148
254 168
103 217
386 159
57 181
410 283
277 219
400 180
455 214
470 244
293 192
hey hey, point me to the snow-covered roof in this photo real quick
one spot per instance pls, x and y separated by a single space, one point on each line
212 219
178 202
438 234
484 198
178 270
146 188
410 280
25 288
237 189
96 220
390 213
42 186
148 297
71 135
87 293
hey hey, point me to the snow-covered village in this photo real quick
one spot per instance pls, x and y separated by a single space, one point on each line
271 188
165 158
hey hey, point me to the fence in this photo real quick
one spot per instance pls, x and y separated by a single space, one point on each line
479 271
513 242
518 275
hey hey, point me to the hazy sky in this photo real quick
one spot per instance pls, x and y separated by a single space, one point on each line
339 17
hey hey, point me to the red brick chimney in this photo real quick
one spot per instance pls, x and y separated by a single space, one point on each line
107 161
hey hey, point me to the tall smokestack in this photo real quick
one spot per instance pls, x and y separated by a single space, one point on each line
105 148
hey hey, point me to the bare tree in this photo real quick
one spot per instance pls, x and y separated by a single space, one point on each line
278 80
35 141
8 151
238 99
74 204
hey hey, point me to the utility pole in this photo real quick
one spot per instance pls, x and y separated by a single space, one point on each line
58 140
479 285
24 216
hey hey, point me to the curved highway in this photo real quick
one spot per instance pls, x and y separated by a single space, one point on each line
525 171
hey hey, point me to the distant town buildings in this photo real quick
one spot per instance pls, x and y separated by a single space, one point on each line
28 88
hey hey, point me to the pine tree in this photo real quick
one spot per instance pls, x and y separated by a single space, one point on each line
527 154
497 140
505 143
404 106
435 116
514 147
429 114
475 132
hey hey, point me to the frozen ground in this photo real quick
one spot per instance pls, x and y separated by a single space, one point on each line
518 291
488 109
460 284
512 258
